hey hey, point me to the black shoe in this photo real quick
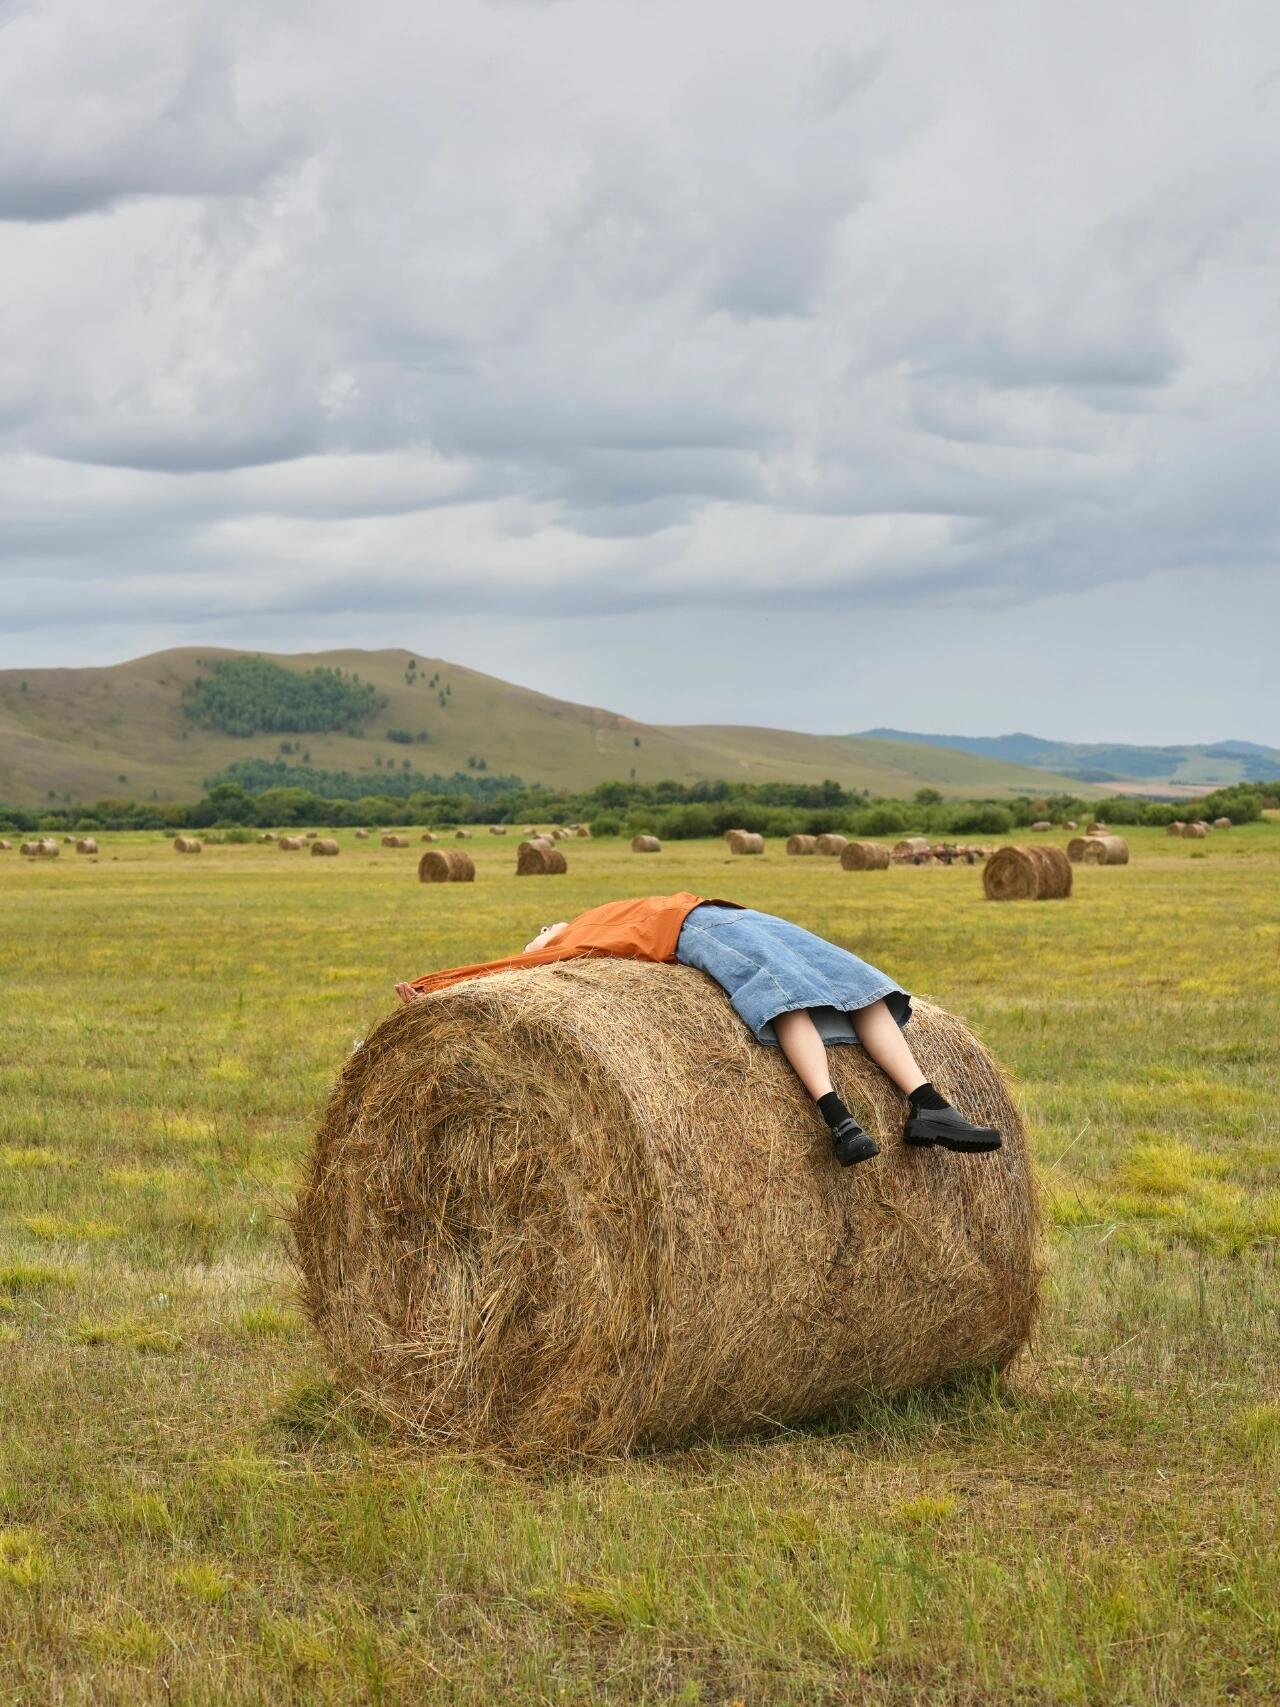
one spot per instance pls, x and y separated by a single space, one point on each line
852 1144
949 1129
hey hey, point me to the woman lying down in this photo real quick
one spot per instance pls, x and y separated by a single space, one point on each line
793 990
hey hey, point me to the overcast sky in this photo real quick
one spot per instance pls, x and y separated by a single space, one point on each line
809 364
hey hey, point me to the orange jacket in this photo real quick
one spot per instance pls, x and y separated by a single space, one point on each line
647 929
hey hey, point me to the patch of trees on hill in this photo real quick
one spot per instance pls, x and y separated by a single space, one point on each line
243 696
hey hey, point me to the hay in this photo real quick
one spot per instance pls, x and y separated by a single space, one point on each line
581 831
1070 824
362 835
1096 829
730 834
497 829
393 841
645 844
533 861
1027 874
745 842
42 847
87 845
1195 832
800 844
1222 823
5 845
429 836
1042 824
865 856
904 852
187 844
462 835
311 835
291 844
1098 850
1176 828
514 1234
325 845
446 865
832 845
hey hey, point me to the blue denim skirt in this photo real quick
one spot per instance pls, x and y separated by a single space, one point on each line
768 966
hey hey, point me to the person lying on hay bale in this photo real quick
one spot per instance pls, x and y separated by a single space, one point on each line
793 990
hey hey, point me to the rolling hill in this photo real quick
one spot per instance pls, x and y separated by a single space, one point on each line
1214 765
120 731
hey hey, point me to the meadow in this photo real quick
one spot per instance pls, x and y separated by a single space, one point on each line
190 1512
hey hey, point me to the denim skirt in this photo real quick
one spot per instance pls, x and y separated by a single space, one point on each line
768 966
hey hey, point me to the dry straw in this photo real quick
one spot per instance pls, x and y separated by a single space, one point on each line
446 865
907 849
5 846
745 842
42 847
393 841
87 845
831 845
800 844
325 845
187 844
291 844
462 835
1098 850
362 835
1042 824
645 844
497 829
1096 829
429 836
865 856
534 861
1222 823
1176 828
1195 832
514 1234
1027 874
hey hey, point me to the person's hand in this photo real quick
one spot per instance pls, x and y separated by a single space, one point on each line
407 993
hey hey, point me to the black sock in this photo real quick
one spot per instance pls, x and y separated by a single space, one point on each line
833 1110
924 1096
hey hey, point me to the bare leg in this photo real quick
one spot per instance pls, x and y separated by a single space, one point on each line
880 1036
803 1047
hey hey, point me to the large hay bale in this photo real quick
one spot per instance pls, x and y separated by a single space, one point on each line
291 844
429 836
645 844
42 847
446 865
1195 832
1222 823
730 834
362 835
801 844
831 844
497 829
87 845
904 852
745 842
1042 824
1097 828
311 835
865 856
391 840
513 1233
1027 874
1098 850
581 831
6 846
325 845
533 861
187 845
1069 824
462 835
1176 828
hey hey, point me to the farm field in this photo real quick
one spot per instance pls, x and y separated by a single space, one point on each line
190 1513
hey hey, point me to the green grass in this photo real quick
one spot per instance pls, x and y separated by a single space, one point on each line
190 1511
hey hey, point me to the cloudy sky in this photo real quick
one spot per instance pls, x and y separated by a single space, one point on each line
812 364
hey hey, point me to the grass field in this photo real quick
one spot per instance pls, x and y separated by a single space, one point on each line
189 1513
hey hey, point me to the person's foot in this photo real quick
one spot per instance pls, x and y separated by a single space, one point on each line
851 1143
948 1129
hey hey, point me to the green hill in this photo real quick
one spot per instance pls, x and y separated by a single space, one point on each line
123 731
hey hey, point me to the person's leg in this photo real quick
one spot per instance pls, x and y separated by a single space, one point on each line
801 1043
881 1037
931 1119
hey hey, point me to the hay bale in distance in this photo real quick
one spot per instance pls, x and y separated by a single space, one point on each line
1222 823
830 844
568 1267
429 836
393 841
497 829
581 831
1176 828
87 845
42 847
462 835
729 834
325 845
865 856
1195 832
1042 824
533 861
311 835
1098 850
187 845
362 835
6 846
1096 829
905 851
745 842
446 865
645 844
291 844
1027 874
1070 824
801 844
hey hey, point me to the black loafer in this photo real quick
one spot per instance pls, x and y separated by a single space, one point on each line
949 1130
852 1144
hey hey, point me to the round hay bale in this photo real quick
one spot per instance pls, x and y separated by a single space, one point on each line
831 845
67 841
582 831
1070 824
87 845
645 844
5 845
1096 829
362 835
1222 823
1195 832
1042 824
801 844
311 835
906 850
446 865
393 841
325 845
745 842
559 835
497 829
42 847
532 861
187 844
462 835
1098 850
730 834
291 844
1176 828
513 1235
865 856
429 836
1027 874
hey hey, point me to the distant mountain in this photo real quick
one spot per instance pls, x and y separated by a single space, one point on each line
1214 765
125 731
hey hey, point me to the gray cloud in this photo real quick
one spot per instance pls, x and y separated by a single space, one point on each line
573 311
